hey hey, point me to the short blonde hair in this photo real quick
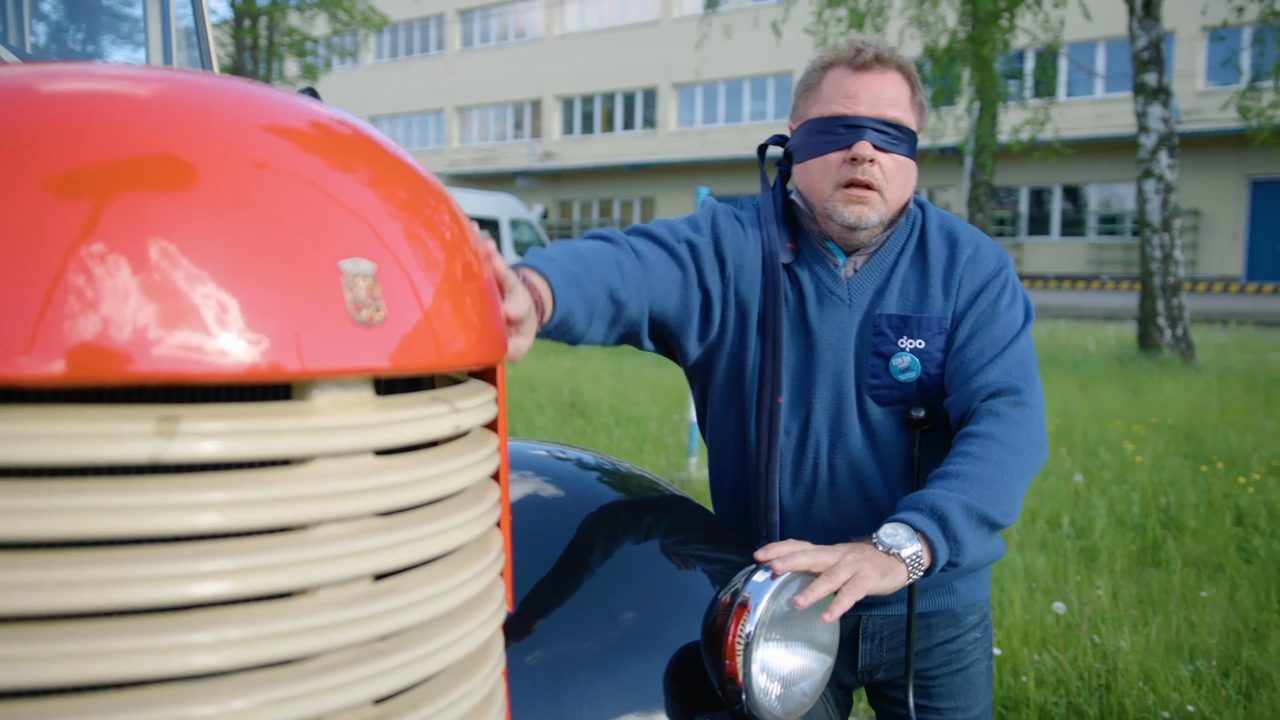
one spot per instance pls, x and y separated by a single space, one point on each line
858 55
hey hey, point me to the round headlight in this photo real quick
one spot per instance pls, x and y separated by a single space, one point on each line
769 658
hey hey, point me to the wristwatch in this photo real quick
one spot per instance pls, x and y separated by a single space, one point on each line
900 540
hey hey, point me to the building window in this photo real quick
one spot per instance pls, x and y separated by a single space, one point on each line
734 102
335 52
501 24
1097 68
943 197
1013 75
1029 74
1113 205
942 85
582 15
624 111
413 131
1241 55
697 7
411 38
1006 212
576 217
1105 67
1065 211
500 123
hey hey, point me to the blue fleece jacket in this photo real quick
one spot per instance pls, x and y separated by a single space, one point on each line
688 288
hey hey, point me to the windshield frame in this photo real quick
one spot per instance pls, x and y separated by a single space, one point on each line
159 18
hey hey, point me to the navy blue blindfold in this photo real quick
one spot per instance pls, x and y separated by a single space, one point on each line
813 138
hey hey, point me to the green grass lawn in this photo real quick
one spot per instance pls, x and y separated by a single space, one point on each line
1154 522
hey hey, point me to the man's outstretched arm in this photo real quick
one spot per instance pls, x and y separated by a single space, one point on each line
660 286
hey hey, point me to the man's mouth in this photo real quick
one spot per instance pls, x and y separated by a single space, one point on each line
859 184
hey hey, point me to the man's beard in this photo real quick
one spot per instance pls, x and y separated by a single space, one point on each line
865 221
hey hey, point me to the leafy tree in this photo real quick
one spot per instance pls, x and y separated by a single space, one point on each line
1163 321
291 42
1258 101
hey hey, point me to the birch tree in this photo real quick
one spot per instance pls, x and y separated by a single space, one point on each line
1164 325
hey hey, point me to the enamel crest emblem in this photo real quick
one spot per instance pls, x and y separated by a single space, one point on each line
362 290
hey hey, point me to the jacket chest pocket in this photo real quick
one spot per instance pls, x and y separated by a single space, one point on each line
908 360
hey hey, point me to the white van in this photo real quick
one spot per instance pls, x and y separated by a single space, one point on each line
504 217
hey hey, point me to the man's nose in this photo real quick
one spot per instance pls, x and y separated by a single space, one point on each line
861 152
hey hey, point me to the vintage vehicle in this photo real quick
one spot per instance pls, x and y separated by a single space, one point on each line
254 460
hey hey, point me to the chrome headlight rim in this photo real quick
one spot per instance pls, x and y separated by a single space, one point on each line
730 629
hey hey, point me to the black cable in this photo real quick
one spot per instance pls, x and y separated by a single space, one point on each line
918 418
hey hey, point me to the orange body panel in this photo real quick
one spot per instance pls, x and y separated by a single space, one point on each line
165 225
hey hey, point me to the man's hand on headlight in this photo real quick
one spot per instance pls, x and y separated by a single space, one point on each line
850 570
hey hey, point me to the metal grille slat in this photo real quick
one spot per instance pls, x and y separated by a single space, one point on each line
132 648
304 689
455 694
76 435
158 506
133 577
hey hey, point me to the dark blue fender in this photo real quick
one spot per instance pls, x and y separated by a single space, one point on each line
613 570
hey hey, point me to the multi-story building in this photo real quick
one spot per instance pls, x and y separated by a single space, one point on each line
614 111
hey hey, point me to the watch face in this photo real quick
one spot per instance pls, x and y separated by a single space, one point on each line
896 535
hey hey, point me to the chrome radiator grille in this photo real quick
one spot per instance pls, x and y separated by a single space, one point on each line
330 551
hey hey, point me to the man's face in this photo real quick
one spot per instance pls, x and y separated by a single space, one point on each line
859 188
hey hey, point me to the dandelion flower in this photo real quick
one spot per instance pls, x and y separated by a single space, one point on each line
1220 465
1024 679
1138 459
1256 476
1241 480
1191 708
1250 491
1204 468
1129 446
1059 607
1078 478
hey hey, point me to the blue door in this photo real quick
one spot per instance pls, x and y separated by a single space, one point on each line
1262 261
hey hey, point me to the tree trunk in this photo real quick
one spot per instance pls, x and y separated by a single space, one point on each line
240 33
984 136
1163 321
269 54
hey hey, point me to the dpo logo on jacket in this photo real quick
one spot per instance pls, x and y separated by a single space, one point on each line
908 359
905 366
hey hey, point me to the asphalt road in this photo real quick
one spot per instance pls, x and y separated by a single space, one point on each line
1114 305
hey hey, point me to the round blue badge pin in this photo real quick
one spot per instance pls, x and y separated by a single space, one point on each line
904 367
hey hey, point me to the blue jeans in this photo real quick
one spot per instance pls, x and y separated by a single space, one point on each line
954 671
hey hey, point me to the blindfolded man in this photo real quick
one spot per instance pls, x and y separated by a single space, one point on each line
808 322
